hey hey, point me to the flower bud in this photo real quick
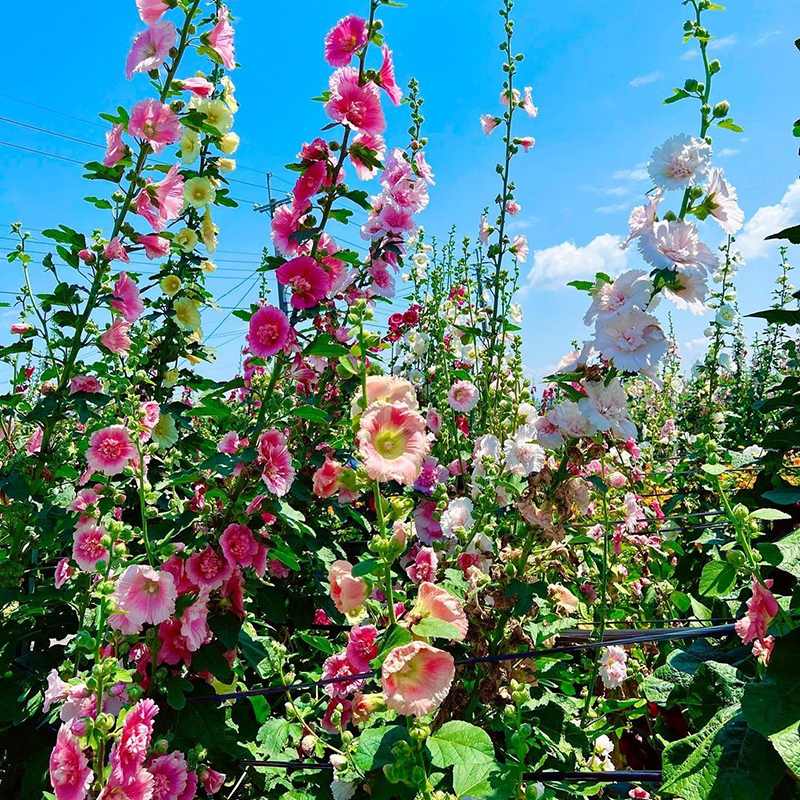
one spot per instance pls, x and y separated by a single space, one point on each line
722 108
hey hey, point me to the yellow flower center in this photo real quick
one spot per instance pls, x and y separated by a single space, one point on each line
390 444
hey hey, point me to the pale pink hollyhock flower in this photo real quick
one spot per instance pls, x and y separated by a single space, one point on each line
523 454
84 500
154 246
169 198
129 752
145 595
416 678
675 163
34 443
484 230
151 48
723 202
761 610
212 780
20 328
691 296
220 39
56 690
633 340
115 338
362 646
63 574
127 299
676 244
115 149
385 389
276 462
616 480
387 79
309 281
87 549
433 419
392 443
339 666
149 415
424 566
114 251
527 103
489 123
110 450
238 545
374 142
525 142
230 443
513 207
356 106
201 87
173 647
631 289
613 667
643 218
170 774
423 168
151 10
70 773
437 603
155 123
564 600
328 478
463 396
519 247
342 41
208 569
269 329
606 407
347 592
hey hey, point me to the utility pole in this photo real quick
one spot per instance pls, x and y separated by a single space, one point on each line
270 208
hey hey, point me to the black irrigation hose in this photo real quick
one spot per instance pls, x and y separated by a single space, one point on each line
713 631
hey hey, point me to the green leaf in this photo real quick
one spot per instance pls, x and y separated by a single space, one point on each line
679 94
211 658
436 629
772 707
177 688
730 125
318 643
779 316
311 413
783 497
326 347
227 627
366 567
768 514
718 579
468 750
273 736
17 347
395 636
785 553
713 469
375 746
793 233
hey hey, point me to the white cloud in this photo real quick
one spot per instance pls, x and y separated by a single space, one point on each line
768 220
613 208
639 173
723 43
519 224
643 80
766 37
557 265
616 191
727 152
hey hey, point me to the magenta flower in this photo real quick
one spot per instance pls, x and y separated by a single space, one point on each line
276 461
62 575
269 329
151 10
115 149
356 106
327 479
212 780
346 36
116 337
129 752
424 566
238 545
207 569
110 450
339 666
170 774
362 646
347 592
85 383
155 246
115 251
190 792
416 678
285 224
127 299
387 78
139 787
220 39
70 773
173 647
370 141
87 549
155 123
145 595
309 281
151 48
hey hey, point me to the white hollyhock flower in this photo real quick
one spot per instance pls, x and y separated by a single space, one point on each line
634 341
632 289
606 407
676 243
723 202
524 455
691 295
458 514
676 163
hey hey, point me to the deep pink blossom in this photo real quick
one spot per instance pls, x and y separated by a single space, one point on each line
162 202
87 549
63 574
155 246
70 773
151 48
155 123
173 647
127 299
309 281
110 450
238 545
339 666
761 609
286 222
115 148
276 462
424 566
387 78
344 39
373 142
269 329
310 182
170 774
201 87
129 752
220 39
362 646
354 105
328 478
145 595
115 338
115 251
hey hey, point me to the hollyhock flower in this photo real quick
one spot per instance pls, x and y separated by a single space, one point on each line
463 396
145 595
513 207
428 527
525 142
114 251
309 281
606 407
161 202
457 516
347 592
523 455
62 575
373 142
127 299
70 773
199 192
198 86
116 339
339 666
723 202
129 752
423 168
310 182
613 667
548 433
56 690
432 474
110 450
761 610
634 341
207 569
416 678
220 39
238 545
570 420
356 106
34 443
632 289
154 246
433 420
671 244
675 163
643 218
85 383
230 443
151 48
276 461
169 775
194 623
387 79
519 247
286 222
437 603
190 792
689 292
489 123
327 479
187 315
424 566
155 123
269 328
392 442
212 780
639 794
116 150
362 646
87 549
527 103
173 647
346 37
140 787
151 10
564 600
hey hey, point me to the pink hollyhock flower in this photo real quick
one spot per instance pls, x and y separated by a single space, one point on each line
513 208
723 202
387 79
140 787
56 690
285 223
639 794
362 646
70 773
230 443
633 340
277 569
201 87
110 450
212 780
392 443
339 666
761 610
155 123
190 792
115 149
424 566
675 245
127 299
63 574
208 569
85 499
613 667
631 289
170 774
463 396
438 603
347 36
276 460
428 527
145 595
347 592
385 389
154 246
162 202
416 678
34 443
309 281
151 48
150 414
20 328
129 752
310 182
114 251
328 478
173 647
116 339
177 568
356 106
370 141
525 142
87 549
151 10
269 329
489 123
238 545
433 419
220 39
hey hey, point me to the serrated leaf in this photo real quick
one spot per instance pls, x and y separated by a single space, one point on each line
713 469
768 514
310 413
436 629
730 125
718 579
375 746
468 750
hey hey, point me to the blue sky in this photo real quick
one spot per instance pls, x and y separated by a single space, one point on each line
599 72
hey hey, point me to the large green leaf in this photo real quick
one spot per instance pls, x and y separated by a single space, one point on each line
785 553
375 746
718 579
